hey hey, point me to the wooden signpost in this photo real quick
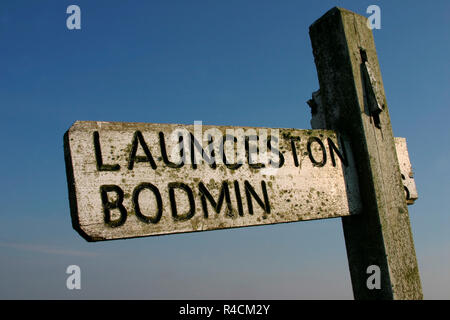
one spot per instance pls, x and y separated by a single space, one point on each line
138 179
352 102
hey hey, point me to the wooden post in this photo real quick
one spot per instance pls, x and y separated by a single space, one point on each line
353 103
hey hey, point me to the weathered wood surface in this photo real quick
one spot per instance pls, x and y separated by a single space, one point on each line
306 186
406 170
411 195
344 50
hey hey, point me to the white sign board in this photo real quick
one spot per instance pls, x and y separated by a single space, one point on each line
406 170
138 179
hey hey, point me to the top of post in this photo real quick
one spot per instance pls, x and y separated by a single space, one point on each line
332 12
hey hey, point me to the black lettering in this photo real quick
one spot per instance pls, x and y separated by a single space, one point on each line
251 151
173 204
224 194
117 204
137 209
311 157
275 151
407 194
237 191
138 138
333 148
162 144
232 166
98 156
196 145
294 150
250 191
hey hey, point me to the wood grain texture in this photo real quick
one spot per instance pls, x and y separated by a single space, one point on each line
381 235
299 192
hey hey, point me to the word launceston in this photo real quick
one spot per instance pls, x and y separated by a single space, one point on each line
216 154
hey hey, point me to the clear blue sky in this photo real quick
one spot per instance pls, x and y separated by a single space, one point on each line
225 63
